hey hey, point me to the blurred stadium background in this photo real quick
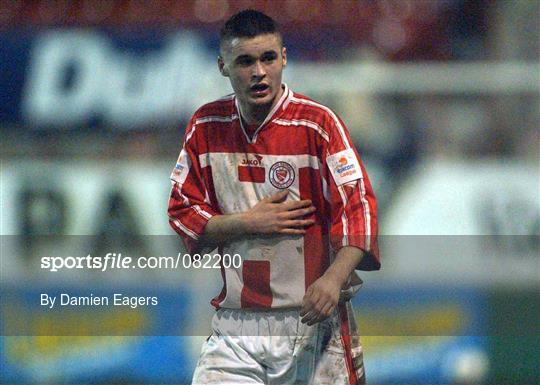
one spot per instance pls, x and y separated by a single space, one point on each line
441 98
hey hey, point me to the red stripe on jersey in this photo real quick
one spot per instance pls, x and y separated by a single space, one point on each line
209 182
346 341
315 248
251 174
356 229
315 262
256 290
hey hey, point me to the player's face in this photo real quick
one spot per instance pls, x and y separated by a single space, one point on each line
254 66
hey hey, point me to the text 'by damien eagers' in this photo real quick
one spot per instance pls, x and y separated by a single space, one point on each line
116 299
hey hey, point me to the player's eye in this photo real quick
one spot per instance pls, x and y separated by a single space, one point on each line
244 61
269 56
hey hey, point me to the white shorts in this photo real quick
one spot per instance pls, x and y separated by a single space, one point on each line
274 348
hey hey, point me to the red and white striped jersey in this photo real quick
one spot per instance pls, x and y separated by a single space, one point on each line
302 146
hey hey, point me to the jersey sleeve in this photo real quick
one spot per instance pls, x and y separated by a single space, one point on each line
189 207
352 201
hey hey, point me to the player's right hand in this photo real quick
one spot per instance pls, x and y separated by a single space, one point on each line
274 215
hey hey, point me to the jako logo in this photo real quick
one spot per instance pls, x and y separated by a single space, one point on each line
252 162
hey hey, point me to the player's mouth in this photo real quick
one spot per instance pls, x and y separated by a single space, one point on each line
260 89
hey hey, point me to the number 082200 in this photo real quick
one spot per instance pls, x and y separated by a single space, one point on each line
211 261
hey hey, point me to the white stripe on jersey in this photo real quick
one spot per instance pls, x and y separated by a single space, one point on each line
190 134
344 220
302 160
201 212
306 123
186 230
208 119
224 119
332 115
233 283
367 214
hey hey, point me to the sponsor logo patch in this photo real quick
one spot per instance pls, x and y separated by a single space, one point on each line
177 171
181 168
281 175
344 166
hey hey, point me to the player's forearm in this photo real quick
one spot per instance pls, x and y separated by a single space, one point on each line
271 215
346 260
224 228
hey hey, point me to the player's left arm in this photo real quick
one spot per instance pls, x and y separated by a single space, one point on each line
322 296
353 223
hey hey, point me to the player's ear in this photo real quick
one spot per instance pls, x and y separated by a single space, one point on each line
222 68
284 56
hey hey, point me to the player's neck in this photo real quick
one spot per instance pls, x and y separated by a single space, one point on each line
253 124
255 115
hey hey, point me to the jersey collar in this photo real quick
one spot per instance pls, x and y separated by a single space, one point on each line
280 106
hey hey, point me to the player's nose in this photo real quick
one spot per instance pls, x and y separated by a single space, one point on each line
258 70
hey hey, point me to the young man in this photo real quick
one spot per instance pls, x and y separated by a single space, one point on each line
271 175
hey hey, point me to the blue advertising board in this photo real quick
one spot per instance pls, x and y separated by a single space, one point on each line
423 334
146 343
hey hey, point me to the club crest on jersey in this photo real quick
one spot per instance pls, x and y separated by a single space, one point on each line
281 175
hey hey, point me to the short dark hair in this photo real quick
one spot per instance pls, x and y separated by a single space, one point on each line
248 23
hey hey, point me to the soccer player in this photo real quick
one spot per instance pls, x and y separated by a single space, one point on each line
272 175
